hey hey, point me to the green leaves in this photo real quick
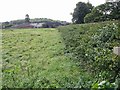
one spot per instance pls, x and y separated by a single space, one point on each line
91 45
80 12
104 12
104 85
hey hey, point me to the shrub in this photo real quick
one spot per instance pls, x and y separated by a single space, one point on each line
91 45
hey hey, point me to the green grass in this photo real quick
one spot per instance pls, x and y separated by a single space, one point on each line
69 56
35 58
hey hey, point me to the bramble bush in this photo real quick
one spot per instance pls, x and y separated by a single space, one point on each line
92 46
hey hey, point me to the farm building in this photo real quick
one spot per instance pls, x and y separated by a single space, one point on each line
37 25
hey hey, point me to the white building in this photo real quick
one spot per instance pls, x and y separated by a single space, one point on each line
37 25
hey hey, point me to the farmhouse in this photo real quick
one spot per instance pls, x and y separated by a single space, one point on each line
37 25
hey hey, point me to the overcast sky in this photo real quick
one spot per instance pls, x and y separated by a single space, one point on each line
53 9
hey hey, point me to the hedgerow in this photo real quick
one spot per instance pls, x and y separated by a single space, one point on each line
92 46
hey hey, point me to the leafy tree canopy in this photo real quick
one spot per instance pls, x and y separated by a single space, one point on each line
80 12
103 12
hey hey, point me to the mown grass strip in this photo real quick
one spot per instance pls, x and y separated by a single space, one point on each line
35 58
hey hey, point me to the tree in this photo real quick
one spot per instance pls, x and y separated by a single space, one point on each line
104 12
115 13
90 7
81 10
27 19
95 15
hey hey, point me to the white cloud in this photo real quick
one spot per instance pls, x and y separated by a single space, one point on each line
54 9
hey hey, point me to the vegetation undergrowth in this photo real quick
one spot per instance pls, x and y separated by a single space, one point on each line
92 46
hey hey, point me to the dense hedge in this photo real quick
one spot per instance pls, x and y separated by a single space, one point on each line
92 46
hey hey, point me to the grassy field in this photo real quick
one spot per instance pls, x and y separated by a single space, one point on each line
78 56
35 58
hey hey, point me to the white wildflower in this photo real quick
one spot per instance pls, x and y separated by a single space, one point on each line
101 83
